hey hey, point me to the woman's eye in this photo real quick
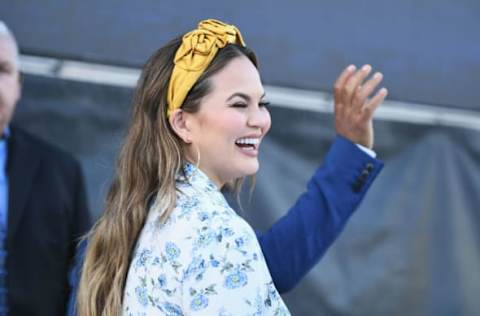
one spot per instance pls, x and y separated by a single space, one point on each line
264 104
239 105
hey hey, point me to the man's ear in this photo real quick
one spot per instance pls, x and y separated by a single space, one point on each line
179 123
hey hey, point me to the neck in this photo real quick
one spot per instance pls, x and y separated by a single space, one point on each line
218 183
215 180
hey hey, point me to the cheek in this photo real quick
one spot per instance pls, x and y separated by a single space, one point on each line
15 94
230 124
10 91
268 122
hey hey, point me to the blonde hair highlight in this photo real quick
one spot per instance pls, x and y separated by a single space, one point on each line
151 156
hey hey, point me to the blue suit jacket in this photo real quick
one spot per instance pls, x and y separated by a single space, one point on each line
297 241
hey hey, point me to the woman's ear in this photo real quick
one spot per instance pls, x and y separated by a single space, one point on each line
179 124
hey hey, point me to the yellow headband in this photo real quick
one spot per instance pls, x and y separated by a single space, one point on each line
197 50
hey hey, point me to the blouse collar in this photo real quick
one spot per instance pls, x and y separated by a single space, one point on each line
197 178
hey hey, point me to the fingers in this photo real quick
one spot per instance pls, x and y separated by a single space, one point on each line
342 79
363 91
352 90
352 85
374 103
356 102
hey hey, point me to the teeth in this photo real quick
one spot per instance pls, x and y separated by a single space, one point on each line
248 141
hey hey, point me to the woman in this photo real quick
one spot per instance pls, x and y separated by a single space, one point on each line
168 243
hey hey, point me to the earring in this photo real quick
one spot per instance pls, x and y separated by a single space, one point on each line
197 164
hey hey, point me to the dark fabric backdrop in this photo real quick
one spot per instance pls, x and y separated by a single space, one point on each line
412 248
429 50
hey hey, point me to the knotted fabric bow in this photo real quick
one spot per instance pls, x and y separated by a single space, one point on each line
197 50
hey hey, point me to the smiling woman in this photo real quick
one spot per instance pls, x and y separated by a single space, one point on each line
227 130
168 241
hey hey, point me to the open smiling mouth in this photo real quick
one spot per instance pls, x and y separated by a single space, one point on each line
248 143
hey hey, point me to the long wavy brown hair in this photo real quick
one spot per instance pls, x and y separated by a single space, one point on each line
150 157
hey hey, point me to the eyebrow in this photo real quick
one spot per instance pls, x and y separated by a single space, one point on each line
244 96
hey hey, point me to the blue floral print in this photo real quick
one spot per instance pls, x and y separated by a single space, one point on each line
172 309
204 260
172 251
214 262
162 280
236 280
143 257
142 295
199 302
195 269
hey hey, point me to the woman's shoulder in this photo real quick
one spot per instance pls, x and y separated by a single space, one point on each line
196 206
200 222
194 222
201 251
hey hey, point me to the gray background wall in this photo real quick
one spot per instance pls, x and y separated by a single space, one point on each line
428 50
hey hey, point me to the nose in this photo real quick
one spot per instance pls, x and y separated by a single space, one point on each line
259 117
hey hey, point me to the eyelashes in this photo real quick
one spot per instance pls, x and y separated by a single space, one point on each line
263 104
239 105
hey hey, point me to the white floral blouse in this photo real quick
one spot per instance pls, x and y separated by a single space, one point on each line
205 260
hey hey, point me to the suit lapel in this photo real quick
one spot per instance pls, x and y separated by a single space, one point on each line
21 167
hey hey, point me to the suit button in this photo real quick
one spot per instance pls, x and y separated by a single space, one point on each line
357 186
369 167
364 176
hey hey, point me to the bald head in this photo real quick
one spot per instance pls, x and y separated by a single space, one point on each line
10 87
6 35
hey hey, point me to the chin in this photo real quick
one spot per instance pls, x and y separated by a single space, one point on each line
249 168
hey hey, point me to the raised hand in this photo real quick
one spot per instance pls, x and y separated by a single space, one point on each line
355 105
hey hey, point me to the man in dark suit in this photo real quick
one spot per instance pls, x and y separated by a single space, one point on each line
43 208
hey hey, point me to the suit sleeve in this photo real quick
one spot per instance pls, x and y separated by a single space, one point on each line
297 241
